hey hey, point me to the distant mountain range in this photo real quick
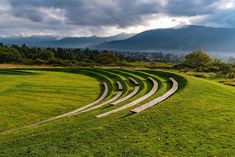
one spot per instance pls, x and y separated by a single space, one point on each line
183 39
67 42
84 42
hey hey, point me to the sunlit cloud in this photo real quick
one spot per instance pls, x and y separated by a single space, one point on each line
225 4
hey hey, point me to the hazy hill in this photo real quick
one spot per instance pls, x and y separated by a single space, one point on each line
178 39
31 41
83 42
68 42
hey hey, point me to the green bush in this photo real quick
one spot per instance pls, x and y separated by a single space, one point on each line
230 75
208 68
57 61
39 61
223 67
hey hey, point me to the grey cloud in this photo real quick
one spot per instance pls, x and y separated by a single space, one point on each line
119 13
28 13
96 14
189 7
223 18
92 12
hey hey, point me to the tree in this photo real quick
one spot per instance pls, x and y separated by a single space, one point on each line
64 54
9 55
106 58
197 58
45 54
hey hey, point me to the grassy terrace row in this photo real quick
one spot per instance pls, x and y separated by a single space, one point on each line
145 87
194 122
40 112
108 75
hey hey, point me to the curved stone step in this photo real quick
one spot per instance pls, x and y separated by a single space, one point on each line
150 93
136 83
119 86
156 101
102 97
118 95
133 93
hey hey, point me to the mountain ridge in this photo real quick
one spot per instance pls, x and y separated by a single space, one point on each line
178 39
172 40
65 42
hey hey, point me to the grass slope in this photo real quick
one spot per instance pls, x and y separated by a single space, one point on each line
197 121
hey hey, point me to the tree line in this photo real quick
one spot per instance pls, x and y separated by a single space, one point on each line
198 60
75 56
55 56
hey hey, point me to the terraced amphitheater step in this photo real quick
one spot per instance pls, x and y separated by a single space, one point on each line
118 95
71 113
150 93
119 86
159 99
133 93
136 83
102 97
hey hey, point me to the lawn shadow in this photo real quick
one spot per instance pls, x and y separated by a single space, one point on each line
106 107
127 115
15 72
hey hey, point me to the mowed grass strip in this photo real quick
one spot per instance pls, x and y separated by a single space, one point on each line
32 96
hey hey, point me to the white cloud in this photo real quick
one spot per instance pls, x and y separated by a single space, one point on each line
5 6
225 4
57 14
158 21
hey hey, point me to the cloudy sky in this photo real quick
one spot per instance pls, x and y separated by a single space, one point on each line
109 17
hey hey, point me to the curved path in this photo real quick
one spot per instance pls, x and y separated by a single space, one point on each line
71 113
156 101
133 93
118 95
152 91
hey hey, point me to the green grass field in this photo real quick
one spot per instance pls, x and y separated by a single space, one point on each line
198 120
30 96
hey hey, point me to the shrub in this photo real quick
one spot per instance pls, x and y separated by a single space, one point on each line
208 68
39 61
230 75
56 61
